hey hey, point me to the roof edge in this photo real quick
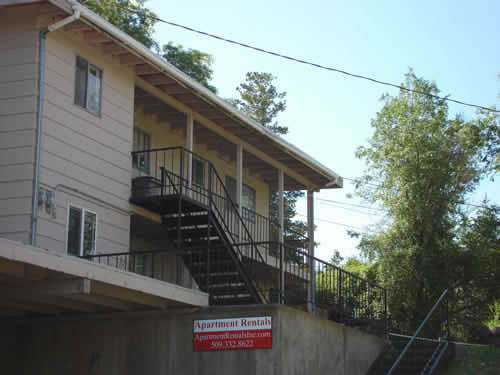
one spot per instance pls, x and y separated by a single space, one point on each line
166 67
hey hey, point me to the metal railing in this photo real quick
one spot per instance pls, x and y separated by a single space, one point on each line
428 344
179 172
156 264
296 278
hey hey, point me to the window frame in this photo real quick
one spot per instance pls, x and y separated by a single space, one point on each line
83 211
89 66
146 169
201 164
248 213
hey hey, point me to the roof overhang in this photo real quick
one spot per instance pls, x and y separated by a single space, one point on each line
302 171
33 280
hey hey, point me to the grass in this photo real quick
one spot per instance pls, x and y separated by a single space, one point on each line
475 361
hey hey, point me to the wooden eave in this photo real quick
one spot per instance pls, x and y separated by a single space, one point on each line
305 169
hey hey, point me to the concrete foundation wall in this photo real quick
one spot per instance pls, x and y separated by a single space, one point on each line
163 344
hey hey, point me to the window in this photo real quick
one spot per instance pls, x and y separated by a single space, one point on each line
198 172
142 142
88 86
248 197
82 229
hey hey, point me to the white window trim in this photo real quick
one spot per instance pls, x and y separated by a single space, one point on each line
83 210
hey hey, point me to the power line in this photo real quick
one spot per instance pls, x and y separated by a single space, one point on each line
351 209
342 224
457 202
301 61
350 204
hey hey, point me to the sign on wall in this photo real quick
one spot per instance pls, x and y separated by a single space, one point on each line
233 333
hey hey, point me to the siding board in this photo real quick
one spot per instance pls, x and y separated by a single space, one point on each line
16 139
86 160
17 155
18 121
92 146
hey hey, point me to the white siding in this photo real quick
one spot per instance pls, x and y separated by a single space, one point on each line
18 106
87 152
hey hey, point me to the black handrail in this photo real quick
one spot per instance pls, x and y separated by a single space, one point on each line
403 352
254 241
214 207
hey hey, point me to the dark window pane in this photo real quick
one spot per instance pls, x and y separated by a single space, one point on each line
81 82
249 202
89 232
141 142
94 90
198 172
74 231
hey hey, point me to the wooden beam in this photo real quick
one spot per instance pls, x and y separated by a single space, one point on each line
47 288
187 98
173 89
222 132
171 117
146 213
203 107
130 59
95 37
145 70
113 49
159 109
160 79
215 115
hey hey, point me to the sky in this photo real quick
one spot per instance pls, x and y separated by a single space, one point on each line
454 43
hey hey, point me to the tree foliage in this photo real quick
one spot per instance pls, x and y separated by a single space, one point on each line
139 23
261 101
194 63
421 164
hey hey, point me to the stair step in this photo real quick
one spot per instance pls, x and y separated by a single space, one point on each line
226 290
197 233
246 300
201 268
225 278
186 220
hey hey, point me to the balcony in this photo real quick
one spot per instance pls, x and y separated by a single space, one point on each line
234 254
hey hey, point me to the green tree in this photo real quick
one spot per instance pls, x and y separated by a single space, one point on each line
421 164
138 23
261 101
194 63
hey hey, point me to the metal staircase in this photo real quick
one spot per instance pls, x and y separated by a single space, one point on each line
417 355
203 222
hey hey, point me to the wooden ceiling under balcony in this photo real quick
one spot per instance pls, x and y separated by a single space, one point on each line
298 175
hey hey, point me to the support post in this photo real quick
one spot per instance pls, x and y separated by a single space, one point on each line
310 234
189 146
239 186
281 216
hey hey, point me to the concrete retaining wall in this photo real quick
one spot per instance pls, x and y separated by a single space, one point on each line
163 344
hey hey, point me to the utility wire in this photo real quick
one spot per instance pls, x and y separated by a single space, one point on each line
297 60
457 202
325 204
342 225
350 204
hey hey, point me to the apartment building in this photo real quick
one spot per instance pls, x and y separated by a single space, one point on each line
126 186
